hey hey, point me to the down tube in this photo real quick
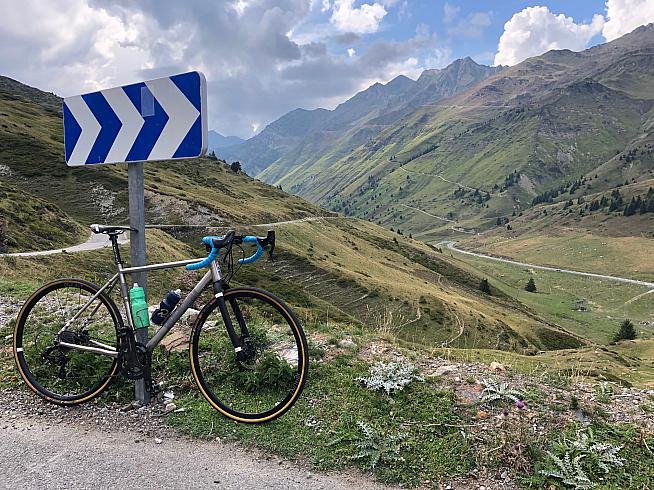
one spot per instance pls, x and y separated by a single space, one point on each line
179 311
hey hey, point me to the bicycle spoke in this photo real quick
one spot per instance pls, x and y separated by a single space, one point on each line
67 372
267 375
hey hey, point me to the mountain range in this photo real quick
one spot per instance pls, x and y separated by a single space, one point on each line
217 141
466 145
333 267
302 137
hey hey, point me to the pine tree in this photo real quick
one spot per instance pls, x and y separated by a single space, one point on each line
531 285
484 287
625 332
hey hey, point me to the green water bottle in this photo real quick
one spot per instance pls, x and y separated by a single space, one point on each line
139 307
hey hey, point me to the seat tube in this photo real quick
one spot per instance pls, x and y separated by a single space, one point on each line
124 292
218 287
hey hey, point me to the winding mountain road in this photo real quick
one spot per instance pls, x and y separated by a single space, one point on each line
97 241
93 243
452 246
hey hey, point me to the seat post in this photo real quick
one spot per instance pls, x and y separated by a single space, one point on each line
114 245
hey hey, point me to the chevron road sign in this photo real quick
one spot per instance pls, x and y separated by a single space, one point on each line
155 120
159 119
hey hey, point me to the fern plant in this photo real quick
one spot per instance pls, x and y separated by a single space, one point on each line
593 454
603 454
494 391
393 376
569 471
375 447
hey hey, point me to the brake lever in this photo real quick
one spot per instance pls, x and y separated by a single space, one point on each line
271 242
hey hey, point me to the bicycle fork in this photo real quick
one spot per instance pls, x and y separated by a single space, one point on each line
219 287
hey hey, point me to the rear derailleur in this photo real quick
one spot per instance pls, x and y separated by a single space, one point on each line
56 354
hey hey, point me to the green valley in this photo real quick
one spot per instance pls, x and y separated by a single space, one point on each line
427 365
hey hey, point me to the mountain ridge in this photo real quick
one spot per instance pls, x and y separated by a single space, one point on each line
217 141
350 123
551 119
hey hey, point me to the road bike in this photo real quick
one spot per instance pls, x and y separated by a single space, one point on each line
247 350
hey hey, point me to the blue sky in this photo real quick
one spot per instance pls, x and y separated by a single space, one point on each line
462 28
263 58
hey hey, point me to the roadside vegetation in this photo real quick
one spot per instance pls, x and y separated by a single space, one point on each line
426 367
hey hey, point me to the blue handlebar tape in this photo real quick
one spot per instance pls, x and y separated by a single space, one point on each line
257 255
203 263
208 240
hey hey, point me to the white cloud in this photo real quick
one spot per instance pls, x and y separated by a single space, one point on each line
472 26
623 16
351 52
71 47
362 20
438 58
450 12
326 5
256 64
535 30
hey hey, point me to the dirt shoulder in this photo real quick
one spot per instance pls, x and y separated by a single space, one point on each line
43 446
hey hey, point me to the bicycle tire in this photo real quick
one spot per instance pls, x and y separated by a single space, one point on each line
294 389
37 386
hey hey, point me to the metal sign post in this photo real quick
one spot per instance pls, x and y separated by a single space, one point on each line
137 248
160 119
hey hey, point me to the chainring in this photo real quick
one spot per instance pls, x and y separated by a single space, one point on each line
134 367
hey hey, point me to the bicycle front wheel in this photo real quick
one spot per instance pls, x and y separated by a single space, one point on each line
66 375
265 377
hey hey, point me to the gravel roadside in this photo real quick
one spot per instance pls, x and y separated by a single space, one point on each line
93 446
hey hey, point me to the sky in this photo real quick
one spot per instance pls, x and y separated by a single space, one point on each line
263 58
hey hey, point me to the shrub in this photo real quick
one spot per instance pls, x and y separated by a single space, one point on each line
374 446
393 376
531 285
581 458
484 287
494 391
625 332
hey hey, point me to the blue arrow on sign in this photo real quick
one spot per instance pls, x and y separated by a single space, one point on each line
159 119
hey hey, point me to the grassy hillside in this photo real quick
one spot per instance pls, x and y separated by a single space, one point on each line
179 192
568 233
343 268
487 152
30 223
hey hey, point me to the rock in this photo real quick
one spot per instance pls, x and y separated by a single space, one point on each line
481 414
443 370
174 342
190 316
157 440
496 367
130 406
170 407
347 344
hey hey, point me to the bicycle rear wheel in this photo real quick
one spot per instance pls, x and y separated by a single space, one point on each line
272 371
63 375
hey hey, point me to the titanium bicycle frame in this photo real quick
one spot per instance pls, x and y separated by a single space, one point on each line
213 276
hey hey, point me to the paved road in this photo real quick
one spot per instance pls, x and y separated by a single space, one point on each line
94 242
97 241
452 246
50 455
